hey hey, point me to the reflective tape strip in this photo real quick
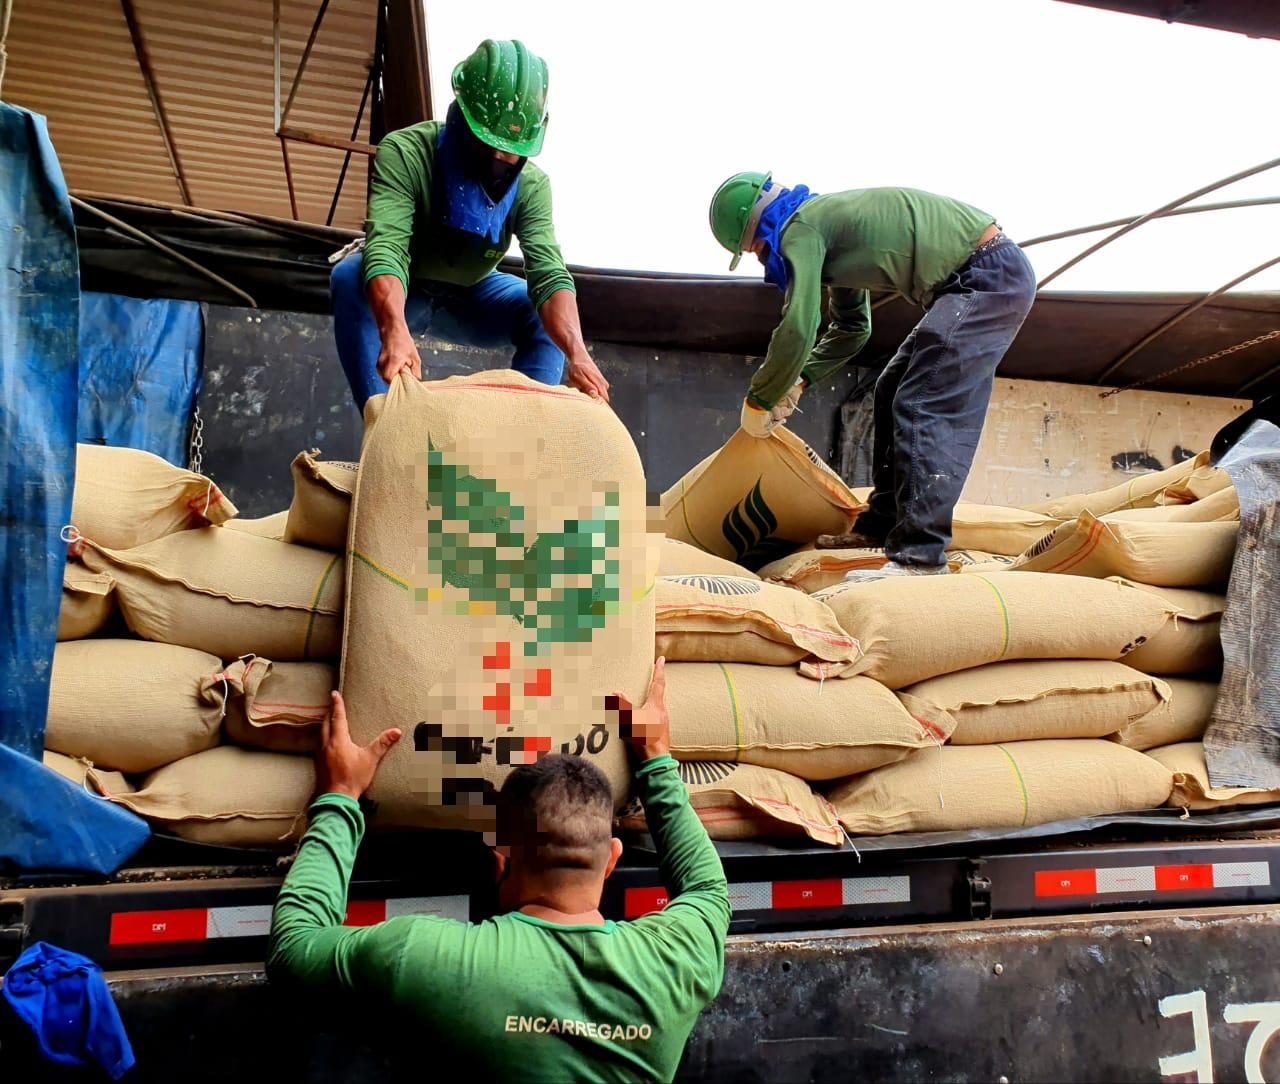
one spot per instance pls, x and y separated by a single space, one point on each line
1121 879
457 907
158 927
859 891
252 921
1126 879
1241 874
751 896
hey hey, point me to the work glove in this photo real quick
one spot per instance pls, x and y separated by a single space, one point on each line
758 422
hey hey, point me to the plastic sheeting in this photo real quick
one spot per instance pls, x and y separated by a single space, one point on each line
140 364
39 374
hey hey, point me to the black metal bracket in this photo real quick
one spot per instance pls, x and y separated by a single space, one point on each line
979 889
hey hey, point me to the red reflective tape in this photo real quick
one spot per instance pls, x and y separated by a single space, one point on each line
1181 878
365 912
643 901
159 927
794 894
1066 882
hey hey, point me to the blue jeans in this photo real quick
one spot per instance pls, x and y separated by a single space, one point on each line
931 401
496 312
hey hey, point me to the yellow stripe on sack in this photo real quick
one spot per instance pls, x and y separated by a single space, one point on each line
684 512
1004 612
1022 785
315 603
733 704
379 569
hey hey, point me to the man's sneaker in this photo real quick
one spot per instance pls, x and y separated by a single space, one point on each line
892 568
851 540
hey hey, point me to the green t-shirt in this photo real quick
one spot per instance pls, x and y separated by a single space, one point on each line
866 239
403 238
515 996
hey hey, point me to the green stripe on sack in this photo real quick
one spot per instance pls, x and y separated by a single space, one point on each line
1004 613
1022 784
733 703
315 603
369 563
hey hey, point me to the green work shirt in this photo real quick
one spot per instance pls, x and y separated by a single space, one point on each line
403 238
517 997
866 239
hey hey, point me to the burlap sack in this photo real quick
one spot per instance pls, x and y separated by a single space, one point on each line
229 593
125 498
773 717
228 796
756 500
745 801
88 602
1191 787
1202 482
812 570
731 619
1221 506
321 503
1163 554
132 705
271 526
989 528
83 774
915 627
1189 644
1051 698
278 706
681 559
1001 786
1141 491
499 589
1185 719
962 560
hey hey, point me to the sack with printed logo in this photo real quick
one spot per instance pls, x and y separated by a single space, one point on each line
1191 786
1185 718
1141 491
500 589
321 504
88 602
278 706
681 559
1189 644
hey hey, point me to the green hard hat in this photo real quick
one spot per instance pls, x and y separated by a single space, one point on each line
731 208
501 89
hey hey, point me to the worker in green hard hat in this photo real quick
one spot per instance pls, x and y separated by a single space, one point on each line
445 201
976 287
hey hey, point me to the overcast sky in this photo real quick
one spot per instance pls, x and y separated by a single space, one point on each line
1045 114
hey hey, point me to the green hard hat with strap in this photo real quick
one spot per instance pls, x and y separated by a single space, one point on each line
736 208
501 89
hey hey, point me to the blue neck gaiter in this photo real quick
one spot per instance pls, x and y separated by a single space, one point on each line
467 204
769 230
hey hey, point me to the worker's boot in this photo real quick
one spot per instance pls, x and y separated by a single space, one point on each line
851 540
892 568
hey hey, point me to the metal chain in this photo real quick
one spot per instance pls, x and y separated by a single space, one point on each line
1192 364
195 458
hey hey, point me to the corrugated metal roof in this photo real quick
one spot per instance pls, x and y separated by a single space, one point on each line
73 61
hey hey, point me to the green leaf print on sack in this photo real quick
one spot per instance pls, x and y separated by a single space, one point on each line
749 528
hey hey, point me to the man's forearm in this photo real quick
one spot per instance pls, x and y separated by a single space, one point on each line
386 302
559 315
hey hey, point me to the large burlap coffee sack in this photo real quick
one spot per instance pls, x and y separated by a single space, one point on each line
1162 554
1189 644
911 628
131 705
1187 718
83 774
321 506
1221 506
1201 483
681 559
88 602
229 796
813 569
1049 698
1141 491
228 593
962 560
756 500
1012 785
498 592
1191 786
271 526
277 706
990 528
746 801
125 498
732 619
773 717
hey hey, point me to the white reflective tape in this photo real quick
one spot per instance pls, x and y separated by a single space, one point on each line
1126 879
251 921
458 907
863 890
1241 874
751 896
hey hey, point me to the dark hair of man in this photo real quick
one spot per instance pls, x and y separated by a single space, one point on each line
557 814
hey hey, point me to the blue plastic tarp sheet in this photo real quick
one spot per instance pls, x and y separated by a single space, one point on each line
39 377
140 364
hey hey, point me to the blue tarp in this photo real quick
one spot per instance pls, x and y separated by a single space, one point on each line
140 367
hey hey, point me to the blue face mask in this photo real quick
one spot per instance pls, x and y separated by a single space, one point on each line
769 230
476 190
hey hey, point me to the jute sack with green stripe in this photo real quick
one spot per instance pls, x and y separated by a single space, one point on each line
1142 491
228 593
1015 785
1187 718
773 717
756 500
915 627
500 589
1191 786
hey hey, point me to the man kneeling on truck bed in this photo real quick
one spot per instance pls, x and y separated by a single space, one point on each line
976 287
444 202
549 990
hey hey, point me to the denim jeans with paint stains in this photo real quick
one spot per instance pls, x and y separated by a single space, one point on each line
496 312
932 398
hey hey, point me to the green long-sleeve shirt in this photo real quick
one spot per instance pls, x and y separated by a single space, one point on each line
403 238
515 996
866 239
